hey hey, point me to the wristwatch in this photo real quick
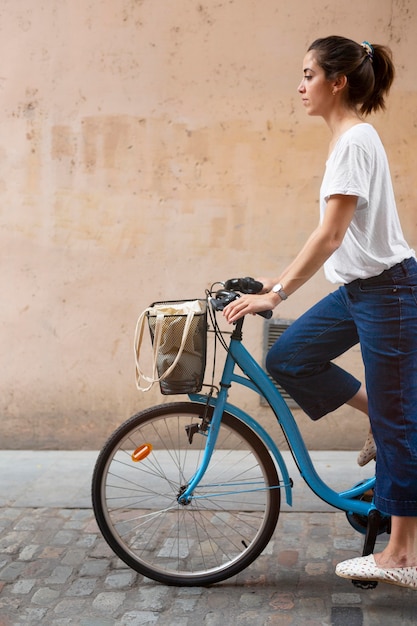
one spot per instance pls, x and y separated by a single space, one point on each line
278 288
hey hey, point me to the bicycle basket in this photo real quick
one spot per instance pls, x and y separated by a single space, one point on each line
179 338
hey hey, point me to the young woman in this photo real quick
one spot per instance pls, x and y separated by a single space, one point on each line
361 245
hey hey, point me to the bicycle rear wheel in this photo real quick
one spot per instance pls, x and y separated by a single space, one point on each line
145 466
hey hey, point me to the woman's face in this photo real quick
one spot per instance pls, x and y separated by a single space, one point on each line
315 89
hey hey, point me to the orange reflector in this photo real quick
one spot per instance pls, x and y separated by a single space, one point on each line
142 452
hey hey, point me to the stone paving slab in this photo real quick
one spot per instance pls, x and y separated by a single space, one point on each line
55 569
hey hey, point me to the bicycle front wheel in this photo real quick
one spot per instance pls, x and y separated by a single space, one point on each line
146 465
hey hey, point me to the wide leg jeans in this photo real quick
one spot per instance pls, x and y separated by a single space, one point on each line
381 314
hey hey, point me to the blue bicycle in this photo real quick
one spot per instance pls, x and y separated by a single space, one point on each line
189 493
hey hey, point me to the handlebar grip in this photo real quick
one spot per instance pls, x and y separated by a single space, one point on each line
244 285
258 286
266 314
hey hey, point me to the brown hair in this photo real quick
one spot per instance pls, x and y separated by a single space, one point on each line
368 68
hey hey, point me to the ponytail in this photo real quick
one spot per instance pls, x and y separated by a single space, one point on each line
384 74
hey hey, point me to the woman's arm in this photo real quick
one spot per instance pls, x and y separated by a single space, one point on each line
321 244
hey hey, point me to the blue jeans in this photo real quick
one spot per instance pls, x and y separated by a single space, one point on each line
381 314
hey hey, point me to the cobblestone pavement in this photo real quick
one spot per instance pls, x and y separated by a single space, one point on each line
56 569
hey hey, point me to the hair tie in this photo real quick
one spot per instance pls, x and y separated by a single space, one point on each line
368 49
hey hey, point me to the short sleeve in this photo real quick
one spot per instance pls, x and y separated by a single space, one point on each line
349 172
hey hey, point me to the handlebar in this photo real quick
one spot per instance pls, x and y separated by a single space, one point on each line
231 287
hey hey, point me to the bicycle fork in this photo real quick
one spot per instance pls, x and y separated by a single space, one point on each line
212 427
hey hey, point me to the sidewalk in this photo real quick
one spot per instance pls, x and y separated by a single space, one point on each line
55 568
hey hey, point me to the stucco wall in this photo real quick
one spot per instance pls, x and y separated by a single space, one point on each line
149 148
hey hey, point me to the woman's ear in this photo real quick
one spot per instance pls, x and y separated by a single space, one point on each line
339 84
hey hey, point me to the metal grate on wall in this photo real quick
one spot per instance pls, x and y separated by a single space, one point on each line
273 329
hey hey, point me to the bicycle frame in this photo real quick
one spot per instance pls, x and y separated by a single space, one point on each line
257 380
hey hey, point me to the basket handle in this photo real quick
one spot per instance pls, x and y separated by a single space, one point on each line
140 325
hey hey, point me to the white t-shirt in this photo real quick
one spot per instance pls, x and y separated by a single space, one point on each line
374 241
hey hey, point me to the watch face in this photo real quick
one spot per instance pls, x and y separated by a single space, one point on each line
280 291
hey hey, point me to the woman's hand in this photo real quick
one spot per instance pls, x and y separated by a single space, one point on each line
250 304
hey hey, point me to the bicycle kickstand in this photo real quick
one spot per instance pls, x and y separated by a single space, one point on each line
374 521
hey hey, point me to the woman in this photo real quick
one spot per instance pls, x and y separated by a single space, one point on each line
360 243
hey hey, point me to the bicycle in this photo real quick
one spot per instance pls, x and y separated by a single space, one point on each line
189 493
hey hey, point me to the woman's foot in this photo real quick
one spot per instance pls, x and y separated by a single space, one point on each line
366 568
368 452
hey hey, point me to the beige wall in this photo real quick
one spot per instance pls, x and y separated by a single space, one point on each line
149 148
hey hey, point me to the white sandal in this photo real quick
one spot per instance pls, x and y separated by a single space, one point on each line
365 568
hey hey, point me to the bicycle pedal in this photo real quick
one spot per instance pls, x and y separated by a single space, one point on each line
365 584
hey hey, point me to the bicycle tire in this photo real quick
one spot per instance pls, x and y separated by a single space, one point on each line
207 540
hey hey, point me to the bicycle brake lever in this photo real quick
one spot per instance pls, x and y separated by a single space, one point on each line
222 299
